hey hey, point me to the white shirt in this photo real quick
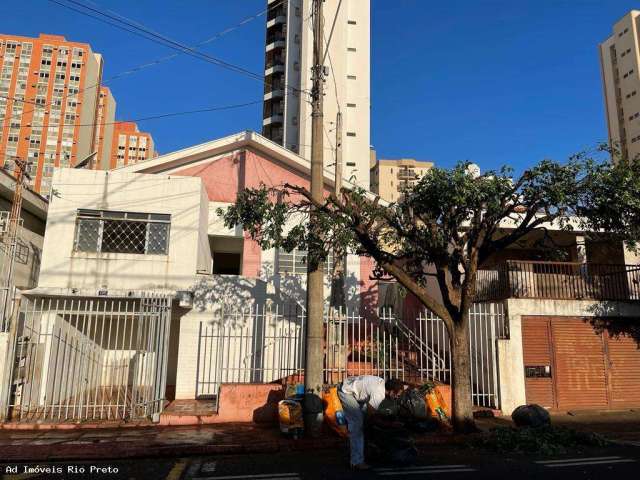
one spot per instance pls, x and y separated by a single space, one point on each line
366 389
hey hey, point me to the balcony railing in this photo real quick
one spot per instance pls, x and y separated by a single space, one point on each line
559 281
407 174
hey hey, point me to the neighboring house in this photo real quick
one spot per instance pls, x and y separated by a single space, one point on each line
29 238
554 356
26 250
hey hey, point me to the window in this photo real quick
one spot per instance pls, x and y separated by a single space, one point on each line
351 134
295 262
351 164
104 231
351 49
351 22
351 105
351 77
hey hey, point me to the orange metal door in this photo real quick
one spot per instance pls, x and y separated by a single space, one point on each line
538 361
580 364
624 372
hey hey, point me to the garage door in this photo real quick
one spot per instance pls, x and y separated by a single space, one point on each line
624 372
569 366
580 377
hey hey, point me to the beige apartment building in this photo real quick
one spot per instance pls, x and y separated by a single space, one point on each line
389 178
620 63
105 121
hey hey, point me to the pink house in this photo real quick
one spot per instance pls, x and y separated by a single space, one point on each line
246 160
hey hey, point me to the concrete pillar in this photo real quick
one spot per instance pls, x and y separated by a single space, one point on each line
511 366
581 249
187 363
630 257
5 383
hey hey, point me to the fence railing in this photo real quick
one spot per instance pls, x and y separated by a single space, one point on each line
86 358
264 344
558 280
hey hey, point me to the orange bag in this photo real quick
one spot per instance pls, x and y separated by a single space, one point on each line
437 406
333 413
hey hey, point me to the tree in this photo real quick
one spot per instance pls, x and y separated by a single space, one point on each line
445 227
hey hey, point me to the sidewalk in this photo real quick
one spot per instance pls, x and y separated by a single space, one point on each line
241 438
120 443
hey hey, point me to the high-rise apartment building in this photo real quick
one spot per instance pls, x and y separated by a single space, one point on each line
620 63
48 97
390 178
130 145
105 120
288 62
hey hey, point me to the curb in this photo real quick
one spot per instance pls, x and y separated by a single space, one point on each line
125 450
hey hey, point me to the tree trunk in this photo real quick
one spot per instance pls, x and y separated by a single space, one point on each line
462 408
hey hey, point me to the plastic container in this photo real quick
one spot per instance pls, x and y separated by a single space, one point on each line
290 418
333 412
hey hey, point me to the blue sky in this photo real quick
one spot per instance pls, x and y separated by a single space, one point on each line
494 82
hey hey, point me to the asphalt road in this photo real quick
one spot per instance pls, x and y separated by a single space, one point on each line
443 462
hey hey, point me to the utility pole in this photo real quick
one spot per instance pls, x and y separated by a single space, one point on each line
314 360
12 238
337 282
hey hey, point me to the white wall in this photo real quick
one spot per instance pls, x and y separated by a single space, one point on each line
181 197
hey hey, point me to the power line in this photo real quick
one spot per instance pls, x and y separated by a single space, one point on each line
152 63
165 41
162 115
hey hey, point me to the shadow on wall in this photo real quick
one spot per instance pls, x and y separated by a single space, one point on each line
268 413
235 293
610 317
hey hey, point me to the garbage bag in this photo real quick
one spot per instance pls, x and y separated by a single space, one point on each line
393 444
424 426
388 408
531 415
403 456
333 412
413 405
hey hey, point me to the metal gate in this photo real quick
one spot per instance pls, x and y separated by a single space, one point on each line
263 344
259 344
75 358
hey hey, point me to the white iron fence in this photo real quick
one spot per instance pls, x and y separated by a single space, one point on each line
87 358
264 344
259 344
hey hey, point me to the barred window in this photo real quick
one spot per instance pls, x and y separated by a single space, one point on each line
122 232
295 262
